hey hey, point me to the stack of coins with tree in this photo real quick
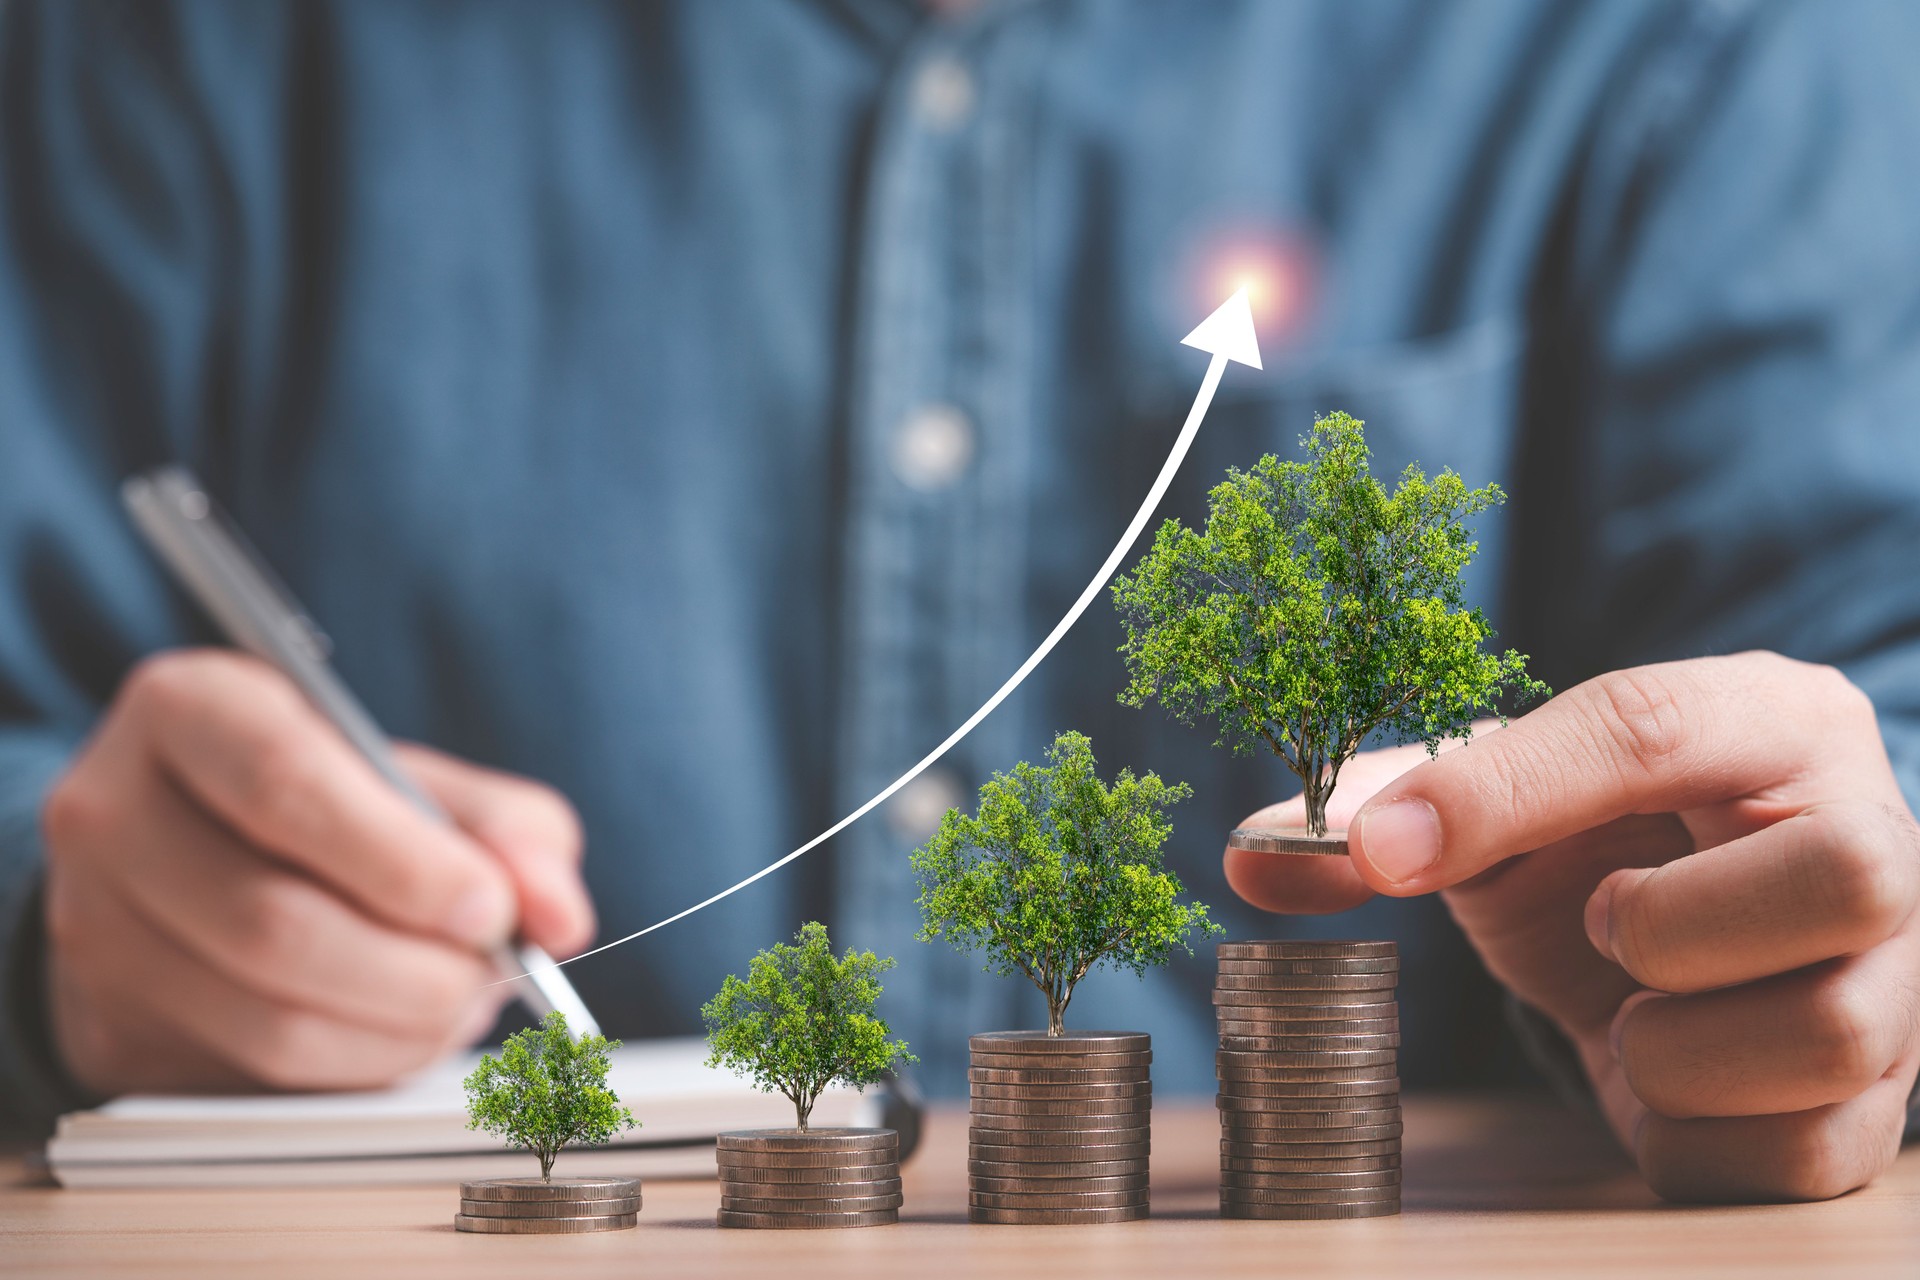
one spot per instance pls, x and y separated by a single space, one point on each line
800 1021
1315 613
1309 1079
1056 873
547 1091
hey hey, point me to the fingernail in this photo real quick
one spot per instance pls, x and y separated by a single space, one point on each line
483 916
1400 839
1599 920
1616 1033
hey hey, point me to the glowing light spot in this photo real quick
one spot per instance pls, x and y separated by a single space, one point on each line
1274 265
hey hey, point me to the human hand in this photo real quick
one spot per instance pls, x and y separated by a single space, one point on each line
1705 874
234 898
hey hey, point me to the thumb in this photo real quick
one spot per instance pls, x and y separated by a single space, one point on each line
530 827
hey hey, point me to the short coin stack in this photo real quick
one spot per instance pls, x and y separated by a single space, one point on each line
532 1207
1309 1079
817 1178
1059 1129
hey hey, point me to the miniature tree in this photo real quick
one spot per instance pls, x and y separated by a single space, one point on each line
803 1020
1317 610
1058 873
545 1091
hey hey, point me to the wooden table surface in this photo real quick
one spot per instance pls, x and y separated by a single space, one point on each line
1493 1187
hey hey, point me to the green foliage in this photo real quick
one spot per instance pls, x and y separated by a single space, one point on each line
803 1020
547 1090
1316 610
1058 873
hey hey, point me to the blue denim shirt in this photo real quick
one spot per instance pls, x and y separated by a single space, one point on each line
703 406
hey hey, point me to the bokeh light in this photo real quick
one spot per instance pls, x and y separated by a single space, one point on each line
1275 264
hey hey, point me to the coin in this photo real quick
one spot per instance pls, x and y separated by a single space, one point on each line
1070 1043
1025 1185
1253 985
809 1174
1295 843
825 1204
1020 1105
1263 1119
1134 1063
1307 1058
1300 1181
1058 1199
1306 949
811 1191
1308 1044
543 1226
1369 1102
1055 1217
1341 1029
807 1221
1306 1194
550 1208
1234 1075
1051 1170
1292 1002
558 1189
1258 1088
1341 1164
1279 965
1308 1013
808 1140
1061 1128
1309 1212
1276 1157
1053 1150
1062 1092
1253 1140
1058 1078
823 1163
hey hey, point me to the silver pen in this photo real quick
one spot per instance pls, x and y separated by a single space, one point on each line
216 564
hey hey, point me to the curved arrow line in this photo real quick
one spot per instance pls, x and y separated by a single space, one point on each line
1100 580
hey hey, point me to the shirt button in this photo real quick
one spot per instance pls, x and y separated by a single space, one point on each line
933 448
943 93
915 811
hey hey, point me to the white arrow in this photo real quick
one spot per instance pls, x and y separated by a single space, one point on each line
1228 335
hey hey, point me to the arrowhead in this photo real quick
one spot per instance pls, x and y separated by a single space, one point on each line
1228 332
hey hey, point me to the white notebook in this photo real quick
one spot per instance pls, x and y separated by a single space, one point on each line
416 1131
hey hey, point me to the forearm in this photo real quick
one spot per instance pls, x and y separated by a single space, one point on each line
34 1087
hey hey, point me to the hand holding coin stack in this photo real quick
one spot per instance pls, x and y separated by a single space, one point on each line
535 1207
792 1178
1309 1087
1059 1130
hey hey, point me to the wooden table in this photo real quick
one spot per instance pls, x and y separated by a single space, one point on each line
1493 1187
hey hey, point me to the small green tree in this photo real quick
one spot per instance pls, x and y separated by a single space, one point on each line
1316 610
547 1090
803 1020
1058 873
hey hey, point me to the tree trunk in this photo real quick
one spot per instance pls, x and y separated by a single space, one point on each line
546 1164
1316 811
801 1111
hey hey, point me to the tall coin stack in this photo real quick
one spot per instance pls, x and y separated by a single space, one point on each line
1059 1129
1309 1079
532 1207
819 1178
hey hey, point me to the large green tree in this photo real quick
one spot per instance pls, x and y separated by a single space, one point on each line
1317 609
547 1090
802 1020
1057 873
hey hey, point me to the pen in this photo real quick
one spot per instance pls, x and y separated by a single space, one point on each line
220 569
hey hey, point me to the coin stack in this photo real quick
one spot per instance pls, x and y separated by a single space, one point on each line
1309 1085
1059 1128
815 1178
533 1207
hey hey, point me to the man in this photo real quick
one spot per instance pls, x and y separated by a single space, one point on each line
701 407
